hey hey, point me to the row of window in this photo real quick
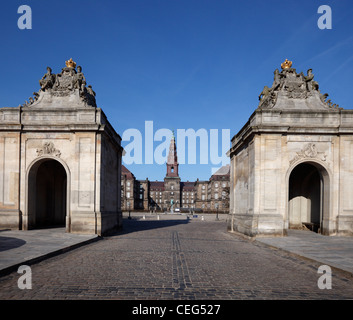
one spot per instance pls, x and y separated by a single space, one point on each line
224 184
216 184
128 195
128 184
203 197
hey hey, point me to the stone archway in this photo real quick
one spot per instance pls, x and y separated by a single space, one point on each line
47 194
308 197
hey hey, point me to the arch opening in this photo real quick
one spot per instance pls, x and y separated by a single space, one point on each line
308 197
47 195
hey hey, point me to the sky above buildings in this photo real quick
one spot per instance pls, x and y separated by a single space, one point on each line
176 65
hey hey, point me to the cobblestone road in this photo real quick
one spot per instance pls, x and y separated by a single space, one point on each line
175 260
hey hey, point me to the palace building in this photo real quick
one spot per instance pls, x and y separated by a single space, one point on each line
174 194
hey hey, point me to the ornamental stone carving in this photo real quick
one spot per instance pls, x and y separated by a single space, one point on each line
288 85
67 83
309 152
48 149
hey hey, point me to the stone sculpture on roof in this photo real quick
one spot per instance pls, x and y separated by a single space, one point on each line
70 83
288 86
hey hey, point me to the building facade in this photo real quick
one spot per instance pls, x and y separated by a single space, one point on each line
172 194
61 159
291 163
134 193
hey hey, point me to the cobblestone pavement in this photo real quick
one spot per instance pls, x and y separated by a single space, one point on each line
177 259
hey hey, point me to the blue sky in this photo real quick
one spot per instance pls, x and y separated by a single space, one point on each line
181 64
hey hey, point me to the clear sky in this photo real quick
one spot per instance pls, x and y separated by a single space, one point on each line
181 64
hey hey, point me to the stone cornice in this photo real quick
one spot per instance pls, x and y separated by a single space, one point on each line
314 122
24 119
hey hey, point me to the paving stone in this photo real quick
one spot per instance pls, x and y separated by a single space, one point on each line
174 259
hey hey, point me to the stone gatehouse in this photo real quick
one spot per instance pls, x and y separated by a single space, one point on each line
60 162
292 162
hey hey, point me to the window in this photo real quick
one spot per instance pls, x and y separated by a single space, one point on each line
203 197
141 196
216 195
224 184
172 187
216 185
127 194
128 183
203 187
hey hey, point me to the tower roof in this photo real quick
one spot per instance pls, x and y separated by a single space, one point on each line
172 155
172 161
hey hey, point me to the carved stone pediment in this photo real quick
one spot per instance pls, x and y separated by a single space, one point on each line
69 84
48 149
294 90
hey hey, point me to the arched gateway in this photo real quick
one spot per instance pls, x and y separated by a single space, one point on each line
47 196
308 196
60 161
291 163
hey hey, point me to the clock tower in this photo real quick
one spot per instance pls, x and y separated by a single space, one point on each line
172 179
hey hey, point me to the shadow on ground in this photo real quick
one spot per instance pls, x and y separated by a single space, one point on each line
136 225
8 243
